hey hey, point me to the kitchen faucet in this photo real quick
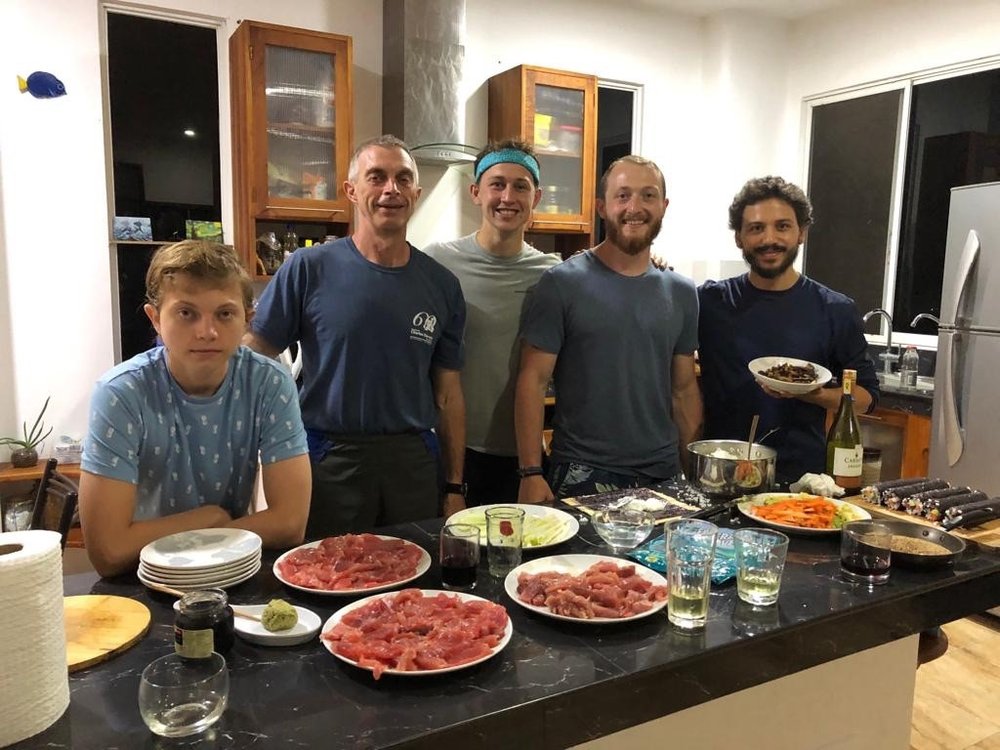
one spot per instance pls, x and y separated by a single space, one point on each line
887 357
922 316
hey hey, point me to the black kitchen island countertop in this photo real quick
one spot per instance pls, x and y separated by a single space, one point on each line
556 684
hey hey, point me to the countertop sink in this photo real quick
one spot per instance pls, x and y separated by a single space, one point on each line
925 384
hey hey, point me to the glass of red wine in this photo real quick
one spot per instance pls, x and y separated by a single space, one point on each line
865 552
459 556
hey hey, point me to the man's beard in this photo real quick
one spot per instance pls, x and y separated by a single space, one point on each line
771 272
632 245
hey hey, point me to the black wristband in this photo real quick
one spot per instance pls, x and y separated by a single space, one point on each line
454 488
529 471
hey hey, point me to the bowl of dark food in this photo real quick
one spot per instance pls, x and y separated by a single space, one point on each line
915 545
722 469
789 375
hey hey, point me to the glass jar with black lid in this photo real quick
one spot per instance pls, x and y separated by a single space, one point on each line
204 624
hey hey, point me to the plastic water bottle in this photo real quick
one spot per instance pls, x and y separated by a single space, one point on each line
909 363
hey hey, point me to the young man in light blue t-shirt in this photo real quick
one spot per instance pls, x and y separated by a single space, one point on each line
175 432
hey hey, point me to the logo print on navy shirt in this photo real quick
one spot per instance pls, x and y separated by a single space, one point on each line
423 326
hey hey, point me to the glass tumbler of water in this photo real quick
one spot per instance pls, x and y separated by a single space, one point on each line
760 561
504 536
690 552
180 697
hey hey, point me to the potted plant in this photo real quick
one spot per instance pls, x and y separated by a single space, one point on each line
24 454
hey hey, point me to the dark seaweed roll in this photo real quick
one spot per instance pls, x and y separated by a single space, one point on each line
894 497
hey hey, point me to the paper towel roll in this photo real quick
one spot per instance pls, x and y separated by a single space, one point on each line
34 683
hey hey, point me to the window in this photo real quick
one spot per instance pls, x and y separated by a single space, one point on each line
163 92
882 164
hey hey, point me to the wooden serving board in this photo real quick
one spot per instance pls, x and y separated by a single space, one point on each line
988 534
98 627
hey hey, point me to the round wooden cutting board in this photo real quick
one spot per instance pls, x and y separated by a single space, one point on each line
98 627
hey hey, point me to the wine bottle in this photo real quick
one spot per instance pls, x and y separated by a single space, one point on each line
844 452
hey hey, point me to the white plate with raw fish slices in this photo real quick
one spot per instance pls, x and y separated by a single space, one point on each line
576 565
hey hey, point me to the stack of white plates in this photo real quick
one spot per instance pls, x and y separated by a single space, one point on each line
202 559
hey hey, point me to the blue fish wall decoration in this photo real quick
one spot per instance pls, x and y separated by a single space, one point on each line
41 85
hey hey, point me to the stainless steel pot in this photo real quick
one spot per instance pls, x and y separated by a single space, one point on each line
720 468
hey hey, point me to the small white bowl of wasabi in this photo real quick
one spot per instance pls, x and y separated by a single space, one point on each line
253 631
304 629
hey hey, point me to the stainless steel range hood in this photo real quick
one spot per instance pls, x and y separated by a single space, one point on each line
422 56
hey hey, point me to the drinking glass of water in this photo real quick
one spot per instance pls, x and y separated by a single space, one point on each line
504 536
180 697
623 529
690 552
760 561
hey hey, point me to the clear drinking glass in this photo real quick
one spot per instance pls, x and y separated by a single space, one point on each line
504 536
690 551
760 561
459 556
865 554
180 697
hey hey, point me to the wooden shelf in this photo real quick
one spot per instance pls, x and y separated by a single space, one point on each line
33 473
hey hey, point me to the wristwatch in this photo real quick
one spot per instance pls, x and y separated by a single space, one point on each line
529 471
455 488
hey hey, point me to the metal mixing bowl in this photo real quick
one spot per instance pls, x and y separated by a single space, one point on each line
720 468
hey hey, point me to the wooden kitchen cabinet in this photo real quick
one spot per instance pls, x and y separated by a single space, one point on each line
903 438
292 116
556 112
914 438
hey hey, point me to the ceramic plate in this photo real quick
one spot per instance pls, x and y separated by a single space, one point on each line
336 617
564 528
823 375
849 511
221 583
574 565
423 565
201 576
201 549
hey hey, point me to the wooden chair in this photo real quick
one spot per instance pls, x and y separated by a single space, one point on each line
55 502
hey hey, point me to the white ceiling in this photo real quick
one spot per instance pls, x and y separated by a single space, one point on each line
790 9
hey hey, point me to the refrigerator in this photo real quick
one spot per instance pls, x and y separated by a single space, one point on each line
965 427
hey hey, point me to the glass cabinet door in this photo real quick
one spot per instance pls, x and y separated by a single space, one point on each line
558 141
301 115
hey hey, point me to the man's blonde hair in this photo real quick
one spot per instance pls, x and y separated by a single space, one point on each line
203 262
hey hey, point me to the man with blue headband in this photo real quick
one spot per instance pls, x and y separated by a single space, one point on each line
496 268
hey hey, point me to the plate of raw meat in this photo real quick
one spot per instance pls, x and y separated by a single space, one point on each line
352 564
417 632
587 588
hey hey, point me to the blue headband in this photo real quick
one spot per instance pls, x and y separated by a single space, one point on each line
509 156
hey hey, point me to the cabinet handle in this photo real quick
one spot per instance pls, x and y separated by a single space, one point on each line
319 210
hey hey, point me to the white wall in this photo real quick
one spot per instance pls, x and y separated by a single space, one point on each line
722 95
56 316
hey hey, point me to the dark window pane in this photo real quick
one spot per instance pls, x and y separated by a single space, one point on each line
850 185
162 80
954 140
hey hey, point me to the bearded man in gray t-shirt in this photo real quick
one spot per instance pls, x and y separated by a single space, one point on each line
618 337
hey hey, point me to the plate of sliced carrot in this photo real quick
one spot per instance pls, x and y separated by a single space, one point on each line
800 512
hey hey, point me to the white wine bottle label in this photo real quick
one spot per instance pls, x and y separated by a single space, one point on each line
847 462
